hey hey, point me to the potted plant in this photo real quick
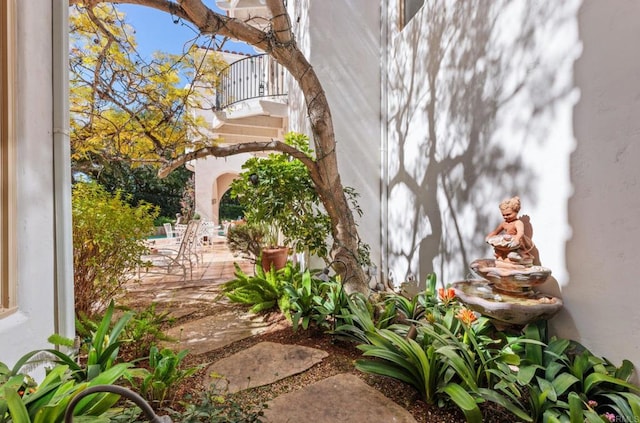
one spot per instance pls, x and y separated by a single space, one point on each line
276 192
273 253
246 240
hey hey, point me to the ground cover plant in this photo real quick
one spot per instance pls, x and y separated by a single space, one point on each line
455 357
451 354
428 353
156 377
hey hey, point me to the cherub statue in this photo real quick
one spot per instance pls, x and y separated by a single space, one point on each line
510 241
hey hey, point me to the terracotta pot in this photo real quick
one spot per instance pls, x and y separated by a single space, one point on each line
277 256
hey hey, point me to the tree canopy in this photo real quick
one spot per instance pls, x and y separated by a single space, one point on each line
124 108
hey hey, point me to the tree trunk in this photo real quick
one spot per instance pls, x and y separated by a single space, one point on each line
325 174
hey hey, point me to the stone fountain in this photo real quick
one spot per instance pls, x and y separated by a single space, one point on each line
504 288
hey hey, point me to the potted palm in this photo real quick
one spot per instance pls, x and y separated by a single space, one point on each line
276 192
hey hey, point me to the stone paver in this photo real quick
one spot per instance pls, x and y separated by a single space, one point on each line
340 398
263 364
228 325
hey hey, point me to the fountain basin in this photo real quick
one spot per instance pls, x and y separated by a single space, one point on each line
482 296
509 278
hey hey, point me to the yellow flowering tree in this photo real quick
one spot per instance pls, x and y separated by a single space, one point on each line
125 108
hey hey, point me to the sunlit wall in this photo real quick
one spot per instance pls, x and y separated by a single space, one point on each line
487 100
342 42
34 320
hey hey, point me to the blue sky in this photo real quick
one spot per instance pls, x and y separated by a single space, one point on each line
156 31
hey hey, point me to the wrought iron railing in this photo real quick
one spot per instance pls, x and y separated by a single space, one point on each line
253 77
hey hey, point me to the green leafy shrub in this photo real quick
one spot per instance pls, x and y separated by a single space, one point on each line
448 359
24 401
263 291
96 363
567 382
450 354
304 297
100 348
158 383
144 330
331 302
359 319
278 191
108 236
301 296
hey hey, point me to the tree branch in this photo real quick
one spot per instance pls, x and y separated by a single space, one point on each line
250 147
281 24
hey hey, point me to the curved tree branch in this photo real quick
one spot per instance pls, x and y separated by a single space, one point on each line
249 147
194 11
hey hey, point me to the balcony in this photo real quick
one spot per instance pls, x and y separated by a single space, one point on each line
251 78
251 101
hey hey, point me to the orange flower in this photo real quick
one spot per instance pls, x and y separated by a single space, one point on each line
466 316
446 295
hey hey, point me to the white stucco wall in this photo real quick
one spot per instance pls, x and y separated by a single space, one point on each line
479 110
487 100
602 293
35 320
342 42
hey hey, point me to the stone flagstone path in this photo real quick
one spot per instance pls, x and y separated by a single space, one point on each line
340 398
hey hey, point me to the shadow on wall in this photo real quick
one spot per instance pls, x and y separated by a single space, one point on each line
471 86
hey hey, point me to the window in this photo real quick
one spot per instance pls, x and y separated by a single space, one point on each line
7 154
408 9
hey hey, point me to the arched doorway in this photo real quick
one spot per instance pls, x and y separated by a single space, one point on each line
229 208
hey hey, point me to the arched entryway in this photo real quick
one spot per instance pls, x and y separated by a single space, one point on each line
229 208
220 188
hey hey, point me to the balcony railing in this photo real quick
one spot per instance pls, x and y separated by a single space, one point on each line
253 77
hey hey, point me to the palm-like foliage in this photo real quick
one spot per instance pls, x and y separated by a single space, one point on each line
568 383
101 348
261 291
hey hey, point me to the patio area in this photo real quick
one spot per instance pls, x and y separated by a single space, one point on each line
205 320
216 263
259 357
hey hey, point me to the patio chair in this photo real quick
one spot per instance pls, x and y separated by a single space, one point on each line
207 232
168 230
169 260
178 230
